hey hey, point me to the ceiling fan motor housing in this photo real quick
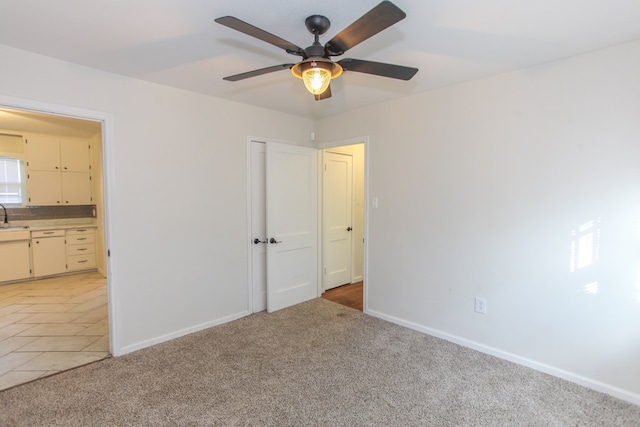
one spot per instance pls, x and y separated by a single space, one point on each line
317 24
316 62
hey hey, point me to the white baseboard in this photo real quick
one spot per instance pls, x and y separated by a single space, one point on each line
560 373
357 279
148 343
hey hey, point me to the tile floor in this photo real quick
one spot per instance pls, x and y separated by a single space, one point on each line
51 325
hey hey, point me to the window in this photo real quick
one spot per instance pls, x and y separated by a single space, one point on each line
10 181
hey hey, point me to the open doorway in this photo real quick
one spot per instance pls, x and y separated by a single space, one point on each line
343 224
54 313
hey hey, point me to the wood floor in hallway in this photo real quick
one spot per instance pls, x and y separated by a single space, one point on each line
349 295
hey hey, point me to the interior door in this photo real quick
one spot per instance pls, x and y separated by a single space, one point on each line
258 227
337 202
292 224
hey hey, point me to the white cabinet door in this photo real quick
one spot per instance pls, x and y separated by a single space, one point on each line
76 188
48 256
15 260
43 188
74 155
43 153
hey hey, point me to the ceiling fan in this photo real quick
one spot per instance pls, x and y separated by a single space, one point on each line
316 68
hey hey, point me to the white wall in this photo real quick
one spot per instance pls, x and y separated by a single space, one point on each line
481 187
177 189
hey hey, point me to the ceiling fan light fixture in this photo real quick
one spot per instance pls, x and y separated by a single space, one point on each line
316 74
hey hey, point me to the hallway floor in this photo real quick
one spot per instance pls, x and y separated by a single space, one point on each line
51 325
349 295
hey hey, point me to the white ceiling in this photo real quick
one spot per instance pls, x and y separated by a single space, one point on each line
177 43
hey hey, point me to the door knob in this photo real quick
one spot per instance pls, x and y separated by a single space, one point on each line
272 240
349 228
256 241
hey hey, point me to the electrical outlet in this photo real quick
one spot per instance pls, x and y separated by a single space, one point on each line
481 305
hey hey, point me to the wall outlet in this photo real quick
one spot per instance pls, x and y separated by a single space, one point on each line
481 305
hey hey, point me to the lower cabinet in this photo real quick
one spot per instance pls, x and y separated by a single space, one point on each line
81 249
48 252
15 260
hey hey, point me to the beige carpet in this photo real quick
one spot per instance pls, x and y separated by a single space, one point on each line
317 363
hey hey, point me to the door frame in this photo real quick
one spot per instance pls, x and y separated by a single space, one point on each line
106 121
365 268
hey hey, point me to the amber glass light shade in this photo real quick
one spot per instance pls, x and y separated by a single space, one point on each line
316 74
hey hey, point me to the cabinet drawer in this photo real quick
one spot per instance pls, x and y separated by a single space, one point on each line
81 249
80 239
88 230
81 262
14 235
47 233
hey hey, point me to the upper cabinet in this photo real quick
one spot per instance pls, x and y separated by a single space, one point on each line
43 153
58 171
74 155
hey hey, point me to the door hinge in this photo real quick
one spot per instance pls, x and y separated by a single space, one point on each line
325 167
108 252
325 270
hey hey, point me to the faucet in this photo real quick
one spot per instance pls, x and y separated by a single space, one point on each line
5 215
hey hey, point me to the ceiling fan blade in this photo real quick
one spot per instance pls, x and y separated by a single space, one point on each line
324 95
255 73
243 27
371 23
378 68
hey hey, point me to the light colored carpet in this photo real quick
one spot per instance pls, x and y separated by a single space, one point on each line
317 363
